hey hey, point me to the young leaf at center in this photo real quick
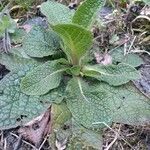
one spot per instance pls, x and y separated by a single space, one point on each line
77 39
86 12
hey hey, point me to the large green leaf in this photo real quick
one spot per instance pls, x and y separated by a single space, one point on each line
105 104
86 12
12 61
131 59
40 42
42 79
113 74
15 106
77 39
56 12
87 105
127 104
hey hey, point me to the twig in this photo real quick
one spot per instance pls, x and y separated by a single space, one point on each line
5 144
111 144
43 142
132 42
19 142
140 51
115 133
142 17
24 141
125 49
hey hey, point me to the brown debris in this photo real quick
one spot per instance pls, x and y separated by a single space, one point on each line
37 129
104 59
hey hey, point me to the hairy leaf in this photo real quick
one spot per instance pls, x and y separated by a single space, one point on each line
105 104
19 51
86 105
56 13
86 12
42 79
77 39
61 114
131 59
12 61
55 95
15 106
18 36
83 138
40 42
113 74
128 105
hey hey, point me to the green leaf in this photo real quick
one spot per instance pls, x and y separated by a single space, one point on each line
42 79
61 114
75 70
77 39
40 42
12 61
18 36
83 138
113 74
19 51
86 104
105 104
55 95
86 12
6 23
128 105
56 13
131 59
16 107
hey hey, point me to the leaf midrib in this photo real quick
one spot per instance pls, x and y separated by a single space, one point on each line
112 75
81 90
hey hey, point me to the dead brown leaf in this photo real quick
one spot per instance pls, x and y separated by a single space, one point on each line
37 129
